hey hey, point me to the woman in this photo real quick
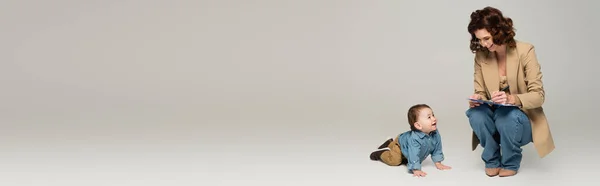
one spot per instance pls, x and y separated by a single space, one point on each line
506 72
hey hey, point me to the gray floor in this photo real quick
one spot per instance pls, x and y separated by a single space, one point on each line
159 152
340 156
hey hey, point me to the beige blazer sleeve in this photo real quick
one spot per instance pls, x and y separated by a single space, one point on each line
535 95
479 83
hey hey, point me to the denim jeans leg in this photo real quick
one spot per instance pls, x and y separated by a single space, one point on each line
515 132
482 123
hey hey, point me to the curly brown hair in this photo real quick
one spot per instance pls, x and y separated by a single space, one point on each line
500 27
413 114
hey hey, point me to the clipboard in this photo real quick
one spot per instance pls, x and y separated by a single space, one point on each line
492 103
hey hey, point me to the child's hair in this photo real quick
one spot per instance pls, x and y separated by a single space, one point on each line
413 114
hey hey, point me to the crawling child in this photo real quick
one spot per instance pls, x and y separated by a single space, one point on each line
412 147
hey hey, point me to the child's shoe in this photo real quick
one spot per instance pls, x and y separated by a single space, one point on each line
376 155
386 143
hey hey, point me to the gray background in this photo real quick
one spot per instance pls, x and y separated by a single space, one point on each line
132 92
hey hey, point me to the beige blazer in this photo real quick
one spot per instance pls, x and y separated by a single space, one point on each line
524 77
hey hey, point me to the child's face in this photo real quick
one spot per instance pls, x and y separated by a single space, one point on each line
426 122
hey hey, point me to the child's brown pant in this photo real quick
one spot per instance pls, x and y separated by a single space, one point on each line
393 157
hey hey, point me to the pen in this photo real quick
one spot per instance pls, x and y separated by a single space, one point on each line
491 102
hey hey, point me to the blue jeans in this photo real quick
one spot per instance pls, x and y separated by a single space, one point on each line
502 131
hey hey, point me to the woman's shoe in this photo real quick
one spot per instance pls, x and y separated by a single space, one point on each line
507 173
491 172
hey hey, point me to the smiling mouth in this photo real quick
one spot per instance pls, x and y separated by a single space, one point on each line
491 46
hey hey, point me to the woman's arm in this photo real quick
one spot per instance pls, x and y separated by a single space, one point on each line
535 95
478 82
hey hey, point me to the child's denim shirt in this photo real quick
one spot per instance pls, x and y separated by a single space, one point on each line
416 146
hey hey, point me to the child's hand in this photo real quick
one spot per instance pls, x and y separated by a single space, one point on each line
441 166
419 173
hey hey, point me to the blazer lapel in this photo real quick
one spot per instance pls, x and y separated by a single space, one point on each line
512 68
490 73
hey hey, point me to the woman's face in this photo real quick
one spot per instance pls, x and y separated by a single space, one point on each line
486 40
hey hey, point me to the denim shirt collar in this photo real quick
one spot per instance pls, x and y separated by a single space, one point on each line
422 134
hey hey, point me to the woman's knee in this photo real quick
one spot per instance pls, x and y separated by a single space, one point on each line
479 113
514 124
480 119
510 115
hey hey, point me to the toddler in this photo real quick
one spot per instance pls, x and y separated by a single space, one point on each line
412 147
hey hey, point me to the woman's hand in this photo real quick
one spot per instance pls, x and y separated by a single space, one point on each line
500 97
473 103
